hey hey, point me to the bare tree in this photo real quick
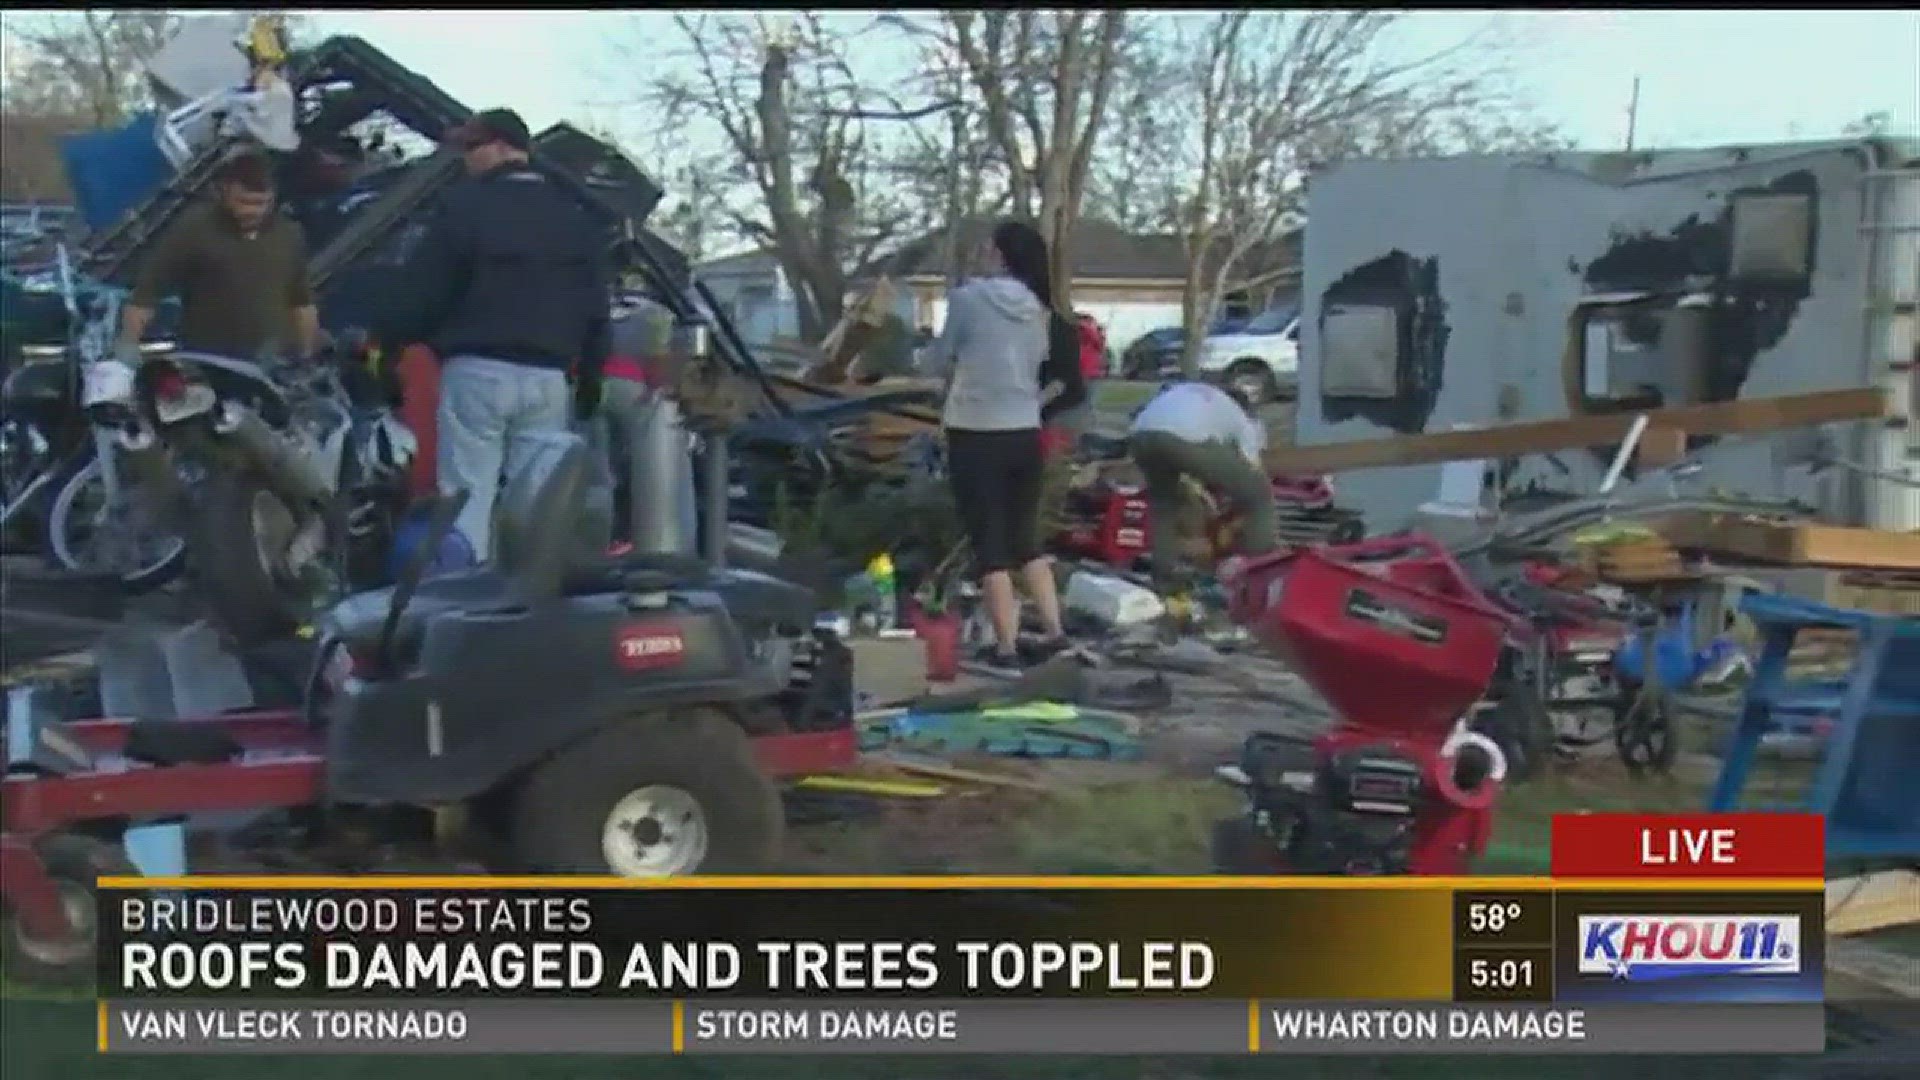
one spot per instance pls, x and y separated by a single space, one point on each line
91 63
74 71
1044 82
1265 96
65 73
1870 125
1135 182
784 98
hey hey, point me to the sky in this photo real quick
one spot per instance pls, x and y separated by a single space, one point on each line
1707 77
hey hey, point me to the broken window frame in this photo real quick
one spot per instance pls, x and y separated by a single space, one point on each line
1612 308
1338 387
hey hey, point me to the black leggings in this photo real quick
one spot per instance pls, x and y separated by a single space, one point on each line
996 478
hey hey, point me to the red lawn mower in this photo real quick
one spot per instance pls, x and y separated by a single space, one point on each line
1401 643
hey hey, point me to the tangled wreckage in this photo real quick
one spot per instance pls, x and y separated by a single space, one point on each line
361 171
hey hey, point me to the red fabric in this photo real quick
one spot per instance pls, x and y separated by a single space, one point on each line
632 369
1054 441
1093 348
419 404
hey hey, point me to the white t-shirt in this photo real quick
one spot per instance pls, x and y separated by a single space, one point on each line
1201 412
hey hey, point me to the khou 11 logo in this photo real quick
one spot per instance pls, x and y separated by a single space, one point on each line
1645 948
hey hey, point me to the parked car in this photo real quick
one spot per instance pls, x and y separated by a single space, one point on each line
1259 356
1261 359
1156 353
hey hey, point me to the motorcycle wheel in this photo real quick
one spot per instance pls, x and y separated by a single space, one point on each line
236 526
138 564
24 456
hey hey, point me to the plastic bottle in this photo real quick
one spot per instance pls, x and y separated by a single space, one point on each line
885 592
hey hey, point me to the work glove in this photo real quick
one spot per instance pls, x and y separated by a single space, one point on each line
586 397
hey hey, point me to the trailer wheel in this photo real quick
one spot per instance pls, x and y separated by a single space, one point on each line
657 796
1523 728
1643 733
73 862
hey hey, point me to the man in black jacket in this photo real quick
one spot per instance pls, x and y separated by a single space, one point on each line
510 286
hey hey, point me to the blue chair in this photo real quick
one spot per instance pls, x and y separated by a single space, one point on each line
1868 779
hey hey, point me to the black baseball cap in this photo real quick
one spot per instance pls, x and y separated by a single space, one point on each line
491 126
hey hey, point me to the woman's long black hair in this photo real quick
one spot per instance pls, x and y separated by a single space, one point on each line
1024 251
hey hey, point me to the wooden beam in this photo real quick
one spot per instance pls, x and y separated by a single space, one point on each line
1747 417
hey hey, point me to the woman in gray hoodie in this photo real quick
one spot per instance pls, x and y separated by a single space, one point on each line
1003 351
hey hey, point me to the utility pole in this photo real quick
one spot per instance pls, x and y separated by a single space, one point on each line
1633 112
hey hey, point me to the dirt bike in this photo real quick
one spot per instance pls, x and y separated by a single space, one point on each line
279 478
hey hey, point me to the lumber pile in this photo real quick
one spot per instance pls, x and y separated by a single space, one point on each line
1884 592
881 436
1869 902
1637 560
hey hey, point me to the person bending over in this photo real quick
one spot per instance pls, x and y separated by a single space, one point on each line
1012 365
1197 430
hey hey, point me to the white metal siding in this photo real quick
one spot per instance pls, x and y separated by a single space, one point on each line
1512 237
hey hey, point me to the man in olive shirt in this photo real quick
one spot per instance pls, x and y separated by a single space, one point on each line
240 270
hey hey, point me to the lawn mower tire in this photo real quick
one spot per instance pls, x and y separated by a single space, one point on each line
650 796
73 862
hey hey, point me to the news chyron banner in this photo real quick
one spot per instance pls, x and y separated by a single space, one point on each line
1692 934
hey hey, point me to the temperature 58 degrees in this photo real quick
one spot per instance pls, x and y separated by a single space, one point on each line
1491 917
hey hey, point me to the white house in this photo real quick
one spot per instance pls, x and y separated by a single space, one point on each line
753 290
1131 283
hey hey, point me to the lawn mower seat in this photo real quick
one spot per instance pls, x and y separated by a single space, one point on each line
538 532
551 543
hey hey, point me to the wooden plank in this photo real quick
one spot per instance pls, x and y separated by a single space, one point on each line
1868 902
941 770
1542 436
1802 543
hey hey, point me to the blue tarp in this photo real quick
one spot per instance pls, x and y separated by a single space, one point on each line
111 172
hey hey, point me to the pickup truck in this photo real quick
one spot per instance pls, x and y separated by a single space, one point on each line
1261 359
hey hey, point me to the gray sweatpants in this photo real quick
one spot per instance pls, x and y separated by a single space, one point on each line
490 416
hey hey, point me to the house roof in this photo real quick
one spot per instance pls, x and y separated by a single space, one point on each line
739 260
1101 251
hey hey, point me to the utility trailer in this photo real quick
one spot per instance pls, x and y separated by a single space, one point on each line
1471 292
